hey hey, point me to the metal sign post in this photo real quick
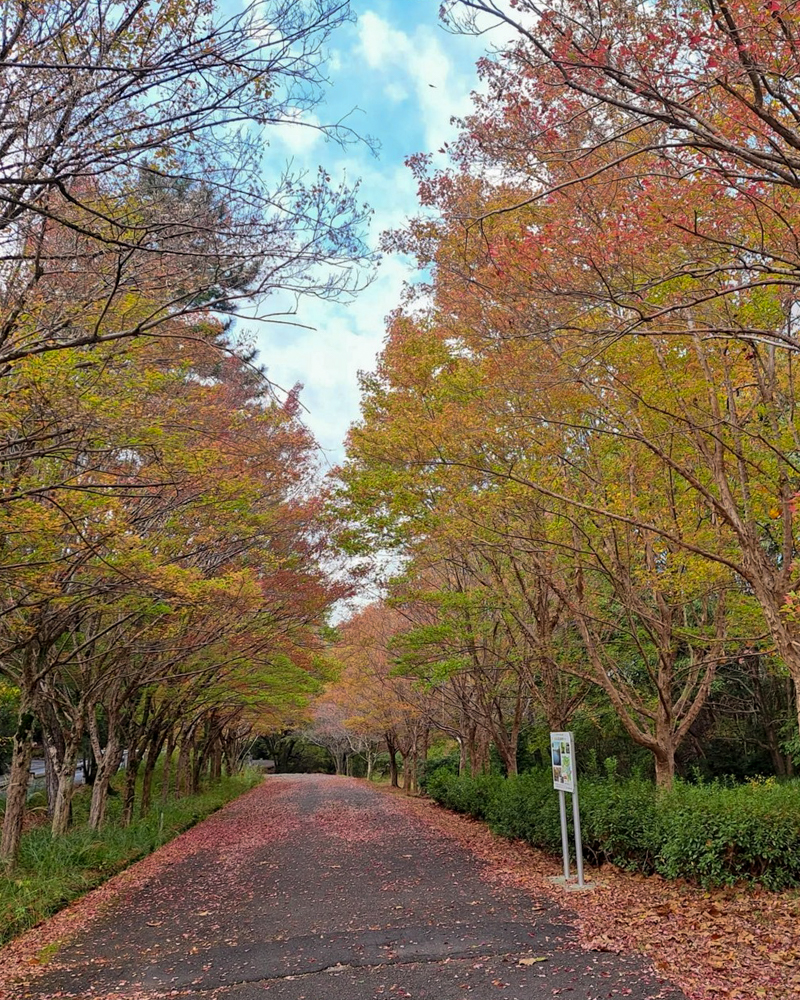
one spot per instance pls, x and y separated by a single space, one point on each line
562 808
562 754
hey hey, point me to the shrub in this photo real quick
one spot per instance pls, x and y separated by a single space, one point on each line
464 795
713 834
526 807
720 835
427 768
620 823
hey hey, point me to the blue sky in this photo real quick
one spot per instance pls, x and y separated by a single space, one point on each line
402 77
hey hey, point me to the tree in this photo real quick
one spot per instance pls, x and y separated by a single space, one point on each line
131 137
178 551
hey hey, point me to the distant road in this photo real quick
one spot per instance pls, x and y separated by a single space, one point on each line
37 774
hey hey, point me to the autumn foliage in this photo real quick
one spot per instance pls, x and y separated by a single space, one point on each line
581 436
162 590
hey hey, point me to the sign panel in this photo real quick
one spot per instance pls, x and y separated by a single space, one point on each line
563 757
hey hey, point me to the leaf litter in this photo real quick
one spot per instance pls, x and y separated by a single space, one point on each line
233 834
740 943
726 944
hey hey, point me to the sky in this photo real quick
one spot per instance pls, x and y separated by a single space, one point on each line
401 77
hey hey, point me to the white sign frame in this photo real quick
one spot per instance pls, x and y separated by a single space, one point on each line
562 758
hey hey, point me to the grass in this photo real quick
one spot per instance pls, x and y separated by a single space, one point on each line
52 872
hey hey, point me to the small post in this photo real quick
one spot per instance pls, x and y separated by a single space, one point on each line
562 808
576 819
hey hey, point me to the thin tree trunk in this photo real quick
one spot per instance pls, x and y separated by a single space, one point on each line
129 790
410 772
17 792
216 762
54 748
392 748
195 771
165 774
462 756
112 758
182 776
147 780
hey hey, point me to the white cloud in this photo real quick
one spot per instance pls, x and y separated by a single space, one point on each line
417 78
396 92
345 339
299 134
420 62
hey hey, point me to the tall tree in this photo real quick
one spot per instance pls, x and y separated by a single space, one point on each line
131 136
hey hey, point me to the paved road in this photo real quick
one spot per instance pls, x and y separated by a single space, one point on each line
318 888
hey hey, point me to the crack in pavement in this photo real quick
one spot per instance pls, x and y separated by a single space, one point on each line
337 969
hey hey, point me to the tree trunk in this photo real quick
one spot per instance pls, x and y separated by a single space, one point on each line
479 762
147 779
509 755
112 758
216 762
410 772
54 738
50 779
196 771
423 750
62 808
17 792
54 748
393 776
462 757
182 779
166 773
665 767
506 744
129 791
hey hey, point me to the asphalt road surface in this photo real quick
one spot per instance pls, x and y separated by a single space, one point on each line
320 888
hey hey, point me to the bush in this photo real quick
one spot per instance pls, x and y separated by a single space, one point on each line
620 823
427 768
712 834
721 835
464 795
526 807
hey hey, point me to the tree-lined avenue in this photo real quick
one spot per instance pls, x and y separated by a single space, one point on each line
319 887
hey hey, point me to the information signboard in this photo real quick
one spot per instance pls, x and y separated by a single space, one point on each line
563 757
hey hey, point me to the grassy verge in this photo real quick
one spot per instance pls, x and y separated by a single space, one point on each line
51 873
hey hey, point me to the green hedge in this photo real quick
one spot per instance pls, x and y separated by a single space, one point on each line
712 834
